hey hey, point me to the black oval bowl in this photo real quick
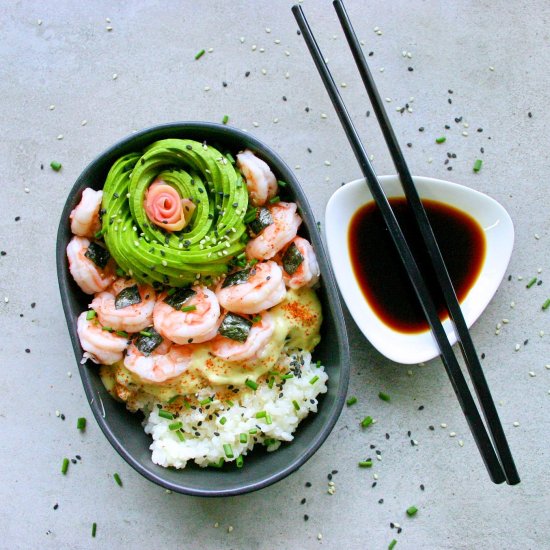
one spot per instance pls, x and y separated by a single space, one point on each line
122 428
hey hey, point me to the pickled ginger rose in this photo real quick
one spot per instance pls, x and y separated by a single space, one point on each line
165 207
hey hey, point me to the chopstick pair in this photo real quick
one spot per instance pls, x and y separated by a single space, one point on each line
494 449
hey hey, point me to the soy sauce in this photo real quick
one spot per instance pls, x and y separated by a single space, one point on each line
383 279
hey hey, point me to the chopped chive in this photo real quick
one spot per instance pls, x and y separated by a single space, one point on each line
268 419
251 384
225 119
287 376
256 319
108 329
392 544
116 477
272 379
205 401
351 401
180 436
223 420
81 424
145 333
166 414
230 158
367 421
441 139
90 315
65 466
120 272
477 165
253 431
239 461
384 396
252 262
173 398
313 380
318 364
261 414
200 54
218 464
269 441
275 200
365 463
228 450
230 403
411 511
98 234
56 166
243 438
171 291
282 183
296 406
546 304
531 282
122 333
94 529
175 426
188 308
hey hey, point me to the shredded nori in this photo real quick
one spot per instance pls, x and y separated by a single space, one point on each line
292 259
237 278
98 254
179 297
127 297
147 344
261 221
235 327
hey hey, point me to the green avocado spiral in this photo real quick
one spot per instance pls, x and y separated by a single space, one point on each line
215 234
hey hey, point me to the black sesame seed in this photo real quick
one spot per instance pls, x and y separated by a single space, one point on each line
298 33
55 506
409 144
73 460
421 408
409 433
368 114
309 150
62 416
329 477
399 529
303 501
410 69
374 485
447 127
27 350
247 74
306 517
334 472
539 283
78 457
449 168
3 253
284 98
432 428
526 342
483 356
392 525
224 84
372 446
449 101
387 436
480 130
421 486
450 91
17 218
371 54
381 501
482 150
530 114
41 167
307 109
308 483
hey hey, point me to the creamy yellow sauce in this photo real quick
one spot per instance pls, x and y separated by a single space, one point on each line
297 323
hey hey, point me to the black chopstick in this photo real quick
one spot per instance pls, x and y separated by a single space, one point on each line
449 360
455 313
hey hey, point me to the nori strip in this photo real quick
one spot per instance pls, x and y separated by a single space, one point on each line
261 221
147 344
179 297
235 327
127 297
237 278
98 254
292 259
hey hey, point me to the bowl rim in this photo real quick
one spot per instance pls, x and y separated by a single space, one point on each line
405 348
330 287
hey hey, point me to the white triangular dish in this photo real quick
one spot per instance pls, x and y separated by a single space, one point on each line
499 235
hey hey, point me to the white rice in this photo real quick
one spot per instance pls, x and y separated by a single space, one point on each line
207 448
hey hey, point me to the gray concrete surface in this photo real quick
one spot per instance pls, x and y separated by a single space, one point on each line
494 55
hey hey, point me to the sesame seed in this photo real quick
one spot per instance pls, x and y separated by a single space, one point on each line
115 76
443 425
516 424
327 162
517 347
452 434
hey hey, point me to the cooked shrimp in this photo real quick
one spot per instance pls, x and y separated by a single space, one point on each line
89 277
260 180
165 362
263 289
275 236
101 346
307 273
252 347
84 218
130 318
196 325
